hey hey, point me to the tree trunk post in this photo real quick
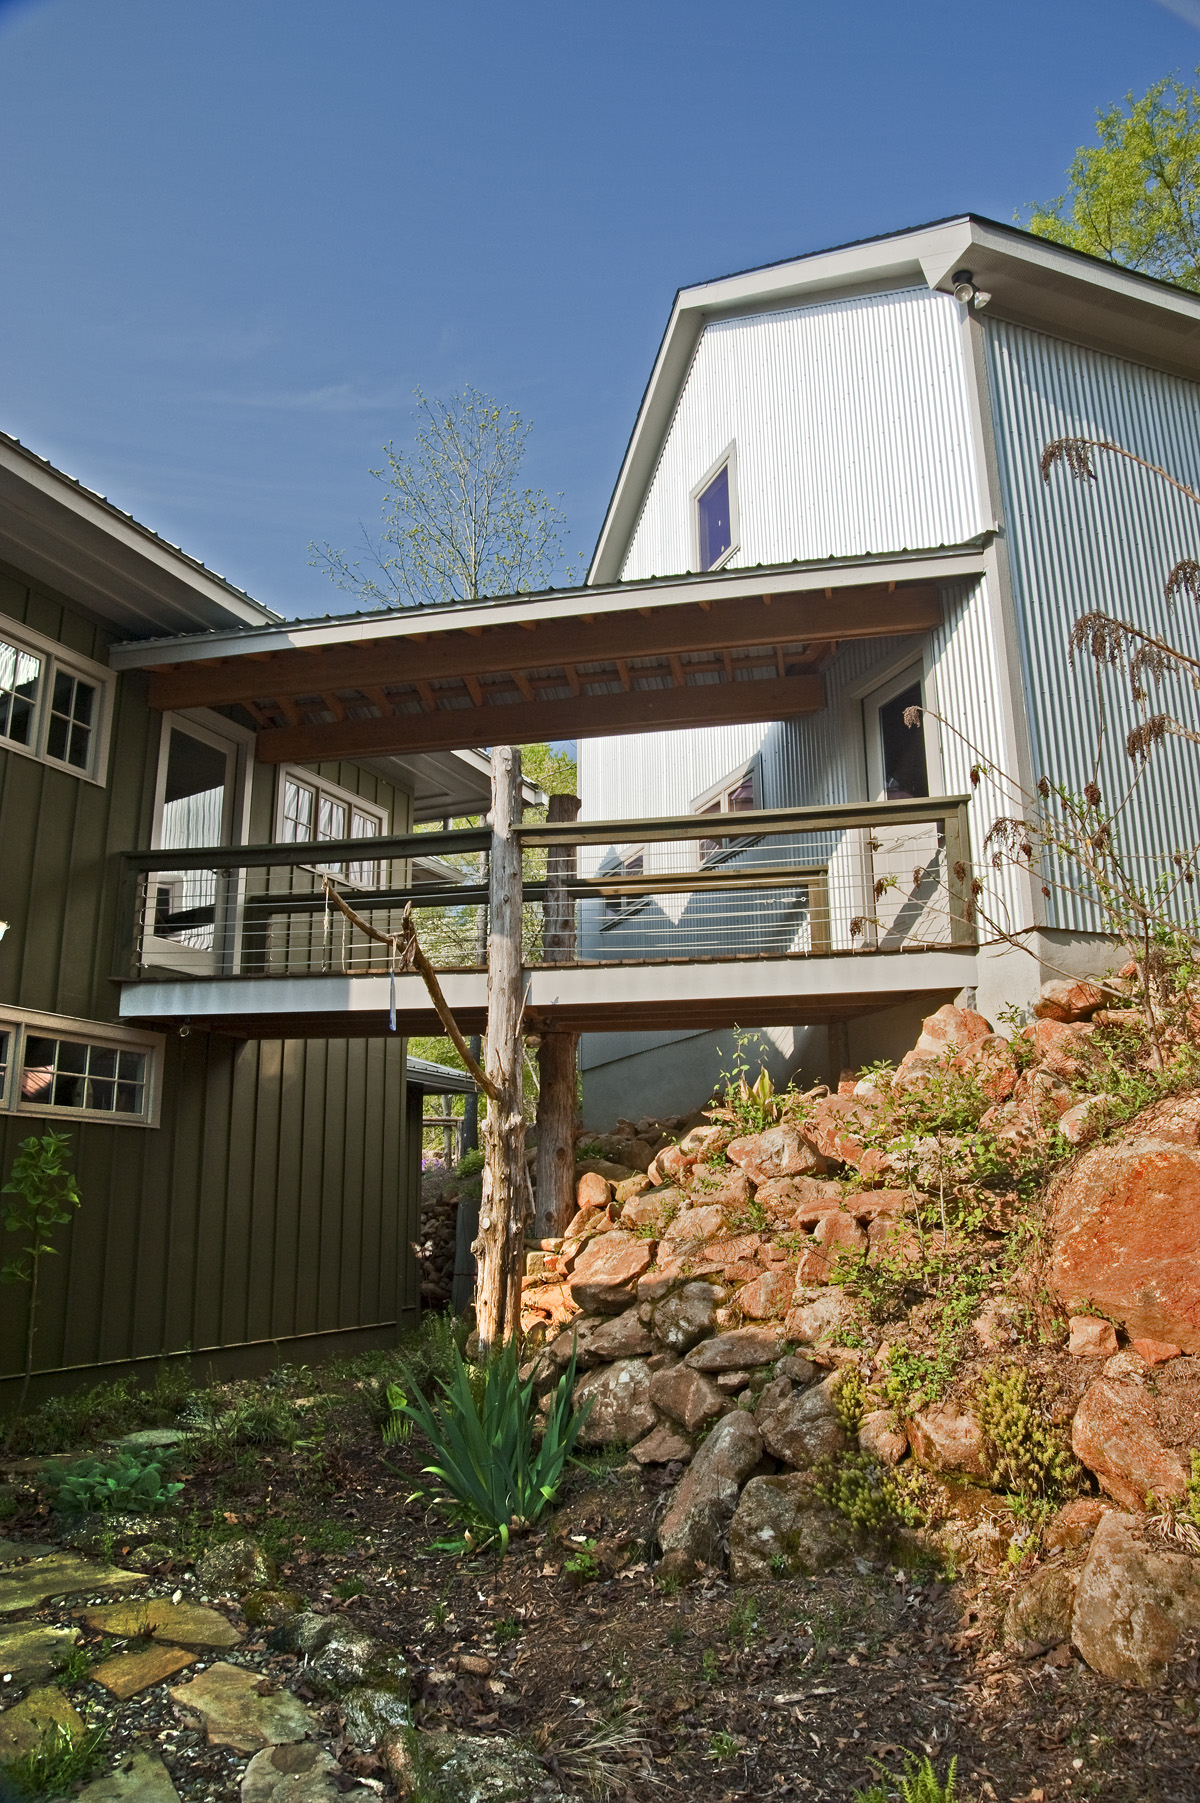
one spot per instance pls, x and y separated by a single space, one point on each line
500 1246
557 1052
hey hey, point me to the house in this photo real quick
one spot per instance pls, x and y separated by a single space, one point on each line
882 407
244 1197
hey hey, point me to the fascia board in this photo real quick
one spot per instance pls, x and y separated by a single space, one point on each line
58 520
922 566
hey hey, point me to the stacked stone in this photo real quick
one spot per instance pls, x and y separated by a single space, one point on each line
441 1192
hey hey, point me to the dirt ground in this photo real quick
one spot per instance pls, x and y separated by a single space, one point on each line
644 1689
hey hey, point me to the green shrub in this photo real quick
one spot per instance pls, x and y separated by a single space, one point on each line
482 1433
128 1483
918 1783
1028 1458
850 1398
866 1493
59 1763
398 1425
470 1164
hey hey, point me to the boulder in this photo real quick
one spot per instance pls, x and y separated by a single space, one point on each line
946 1438
592 1191
1080 1121
693 1529
837 1236
607 1270
1156 1352
671 1163
778 1152
1175 1118
1115 1436
741 1349
880 1434
800 1427
297 1772
1091 1337
1040 1609
686 1316
1068 999
1135 1604
234 1711
1126 1235
688 1397
652 1209
779 1529
1061 1047
687 1234
799 1201
1074 1524
620 1337
722 1187
235 1566
467 1768
631 1187
665 1444
838 1125
766 1296
951 1029
990 1062
621 1409
815 1313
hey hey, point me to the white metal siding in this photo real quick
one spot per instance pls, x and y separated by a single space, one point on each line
1074 546
852 429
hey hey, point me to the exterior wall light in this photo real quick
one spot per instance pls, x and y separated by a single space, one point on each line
3 928
965 291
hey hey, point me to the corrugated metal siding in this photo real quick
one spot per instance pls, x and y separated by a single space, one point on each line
272 1201
1108 545
852 430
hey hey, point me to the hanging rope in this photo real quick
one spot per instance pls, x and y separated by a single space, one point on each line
405 945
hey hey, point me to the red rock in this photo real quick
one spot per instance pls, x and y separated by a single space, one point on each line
666 1444
622 1337
946 1438
688 1397
687 1234
990 1062
1061 1046
593 1191
875 1166
1115 1436
815 1313
766 1296
606 1272
838 1126
1136 1605
742 1348
1062 999
672 1161
779 1152
1176 1118
881 1436
951 1029
734 1248
798 1201
1079 1122
1074 1524
1126 1236
1091 1337
1156 1352
837 1236
722 1186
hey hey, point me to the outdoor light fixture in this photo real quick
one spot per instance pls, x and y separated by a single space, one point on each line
965 291
3 928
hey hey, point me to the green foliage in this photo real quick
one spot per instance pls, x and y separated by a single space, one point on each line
849 1399
58 1763
45 1192
398 1425
1028 1457
918 1783
482 1435
507 1629
103 1412
744 1624
470 1164
260 1419
349 1588
913 1379
129 1483
1191 1508
582 1564
456 522
749 1107
74 1668
1134 197
723 1746
869 1496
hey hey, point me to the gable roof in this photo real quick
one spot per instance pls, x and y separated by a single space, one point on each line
1032 282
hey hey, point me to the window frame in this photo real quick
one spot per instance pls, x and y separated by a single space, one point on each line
54 657
728 461
911 674
353 803
20 1023
719 792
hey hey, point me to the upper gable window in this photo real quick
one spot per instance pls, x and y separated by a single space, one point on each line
54 706
714 501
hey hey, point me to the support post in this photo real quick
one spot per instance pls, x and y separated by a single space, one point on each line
557 1052
502 1209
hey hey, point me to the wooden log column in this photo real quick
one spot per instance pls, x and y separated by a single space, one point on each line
499 1248
557 1052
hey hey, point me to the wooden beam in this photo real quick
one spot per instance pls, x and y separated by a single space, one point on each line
850 613
581 717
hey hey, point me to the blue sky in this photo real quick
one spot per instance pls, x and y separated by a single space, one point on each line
237 235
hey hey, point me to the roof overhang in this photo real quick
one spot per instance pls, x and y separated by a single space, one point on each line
57 531
737 645
1031 281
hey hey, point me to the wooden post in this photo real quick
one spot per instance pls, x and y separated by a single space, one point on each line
557 1052
500 1246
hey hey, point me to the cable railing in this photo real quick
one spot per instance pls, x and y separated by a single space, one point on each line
794 882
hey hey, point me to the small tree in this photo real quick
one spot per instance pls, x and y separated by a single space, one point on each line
45 1193
457 523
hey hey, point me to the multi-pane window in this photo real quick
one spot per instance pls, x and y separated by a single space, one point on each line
312 811
52 1066
713 521
736 795
52 706
633 864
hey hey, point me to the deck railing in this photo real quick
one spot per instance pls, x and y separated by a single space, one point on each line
788 882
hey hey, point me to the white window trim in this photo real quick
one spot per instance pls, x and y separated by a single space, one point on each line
873 699
298 774
22 1021
723 787
54 656
727 459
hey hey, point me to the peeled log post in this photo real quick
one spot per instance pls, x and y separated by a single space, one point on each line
557 1052
502 1209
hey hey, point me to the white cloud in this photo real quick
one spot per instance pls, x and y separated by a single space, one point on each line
1188 10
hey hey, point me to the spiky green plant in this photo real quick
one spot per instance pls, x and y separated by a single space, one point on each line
918 1783
494 1478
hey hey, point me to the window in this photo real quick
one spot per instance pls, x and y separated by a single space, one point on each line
715 521
60 1067
311 810
633 864
734 794
905 775
53 705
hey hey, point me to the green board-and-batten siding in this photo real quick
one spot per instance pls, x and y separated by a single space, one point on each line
273 1202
